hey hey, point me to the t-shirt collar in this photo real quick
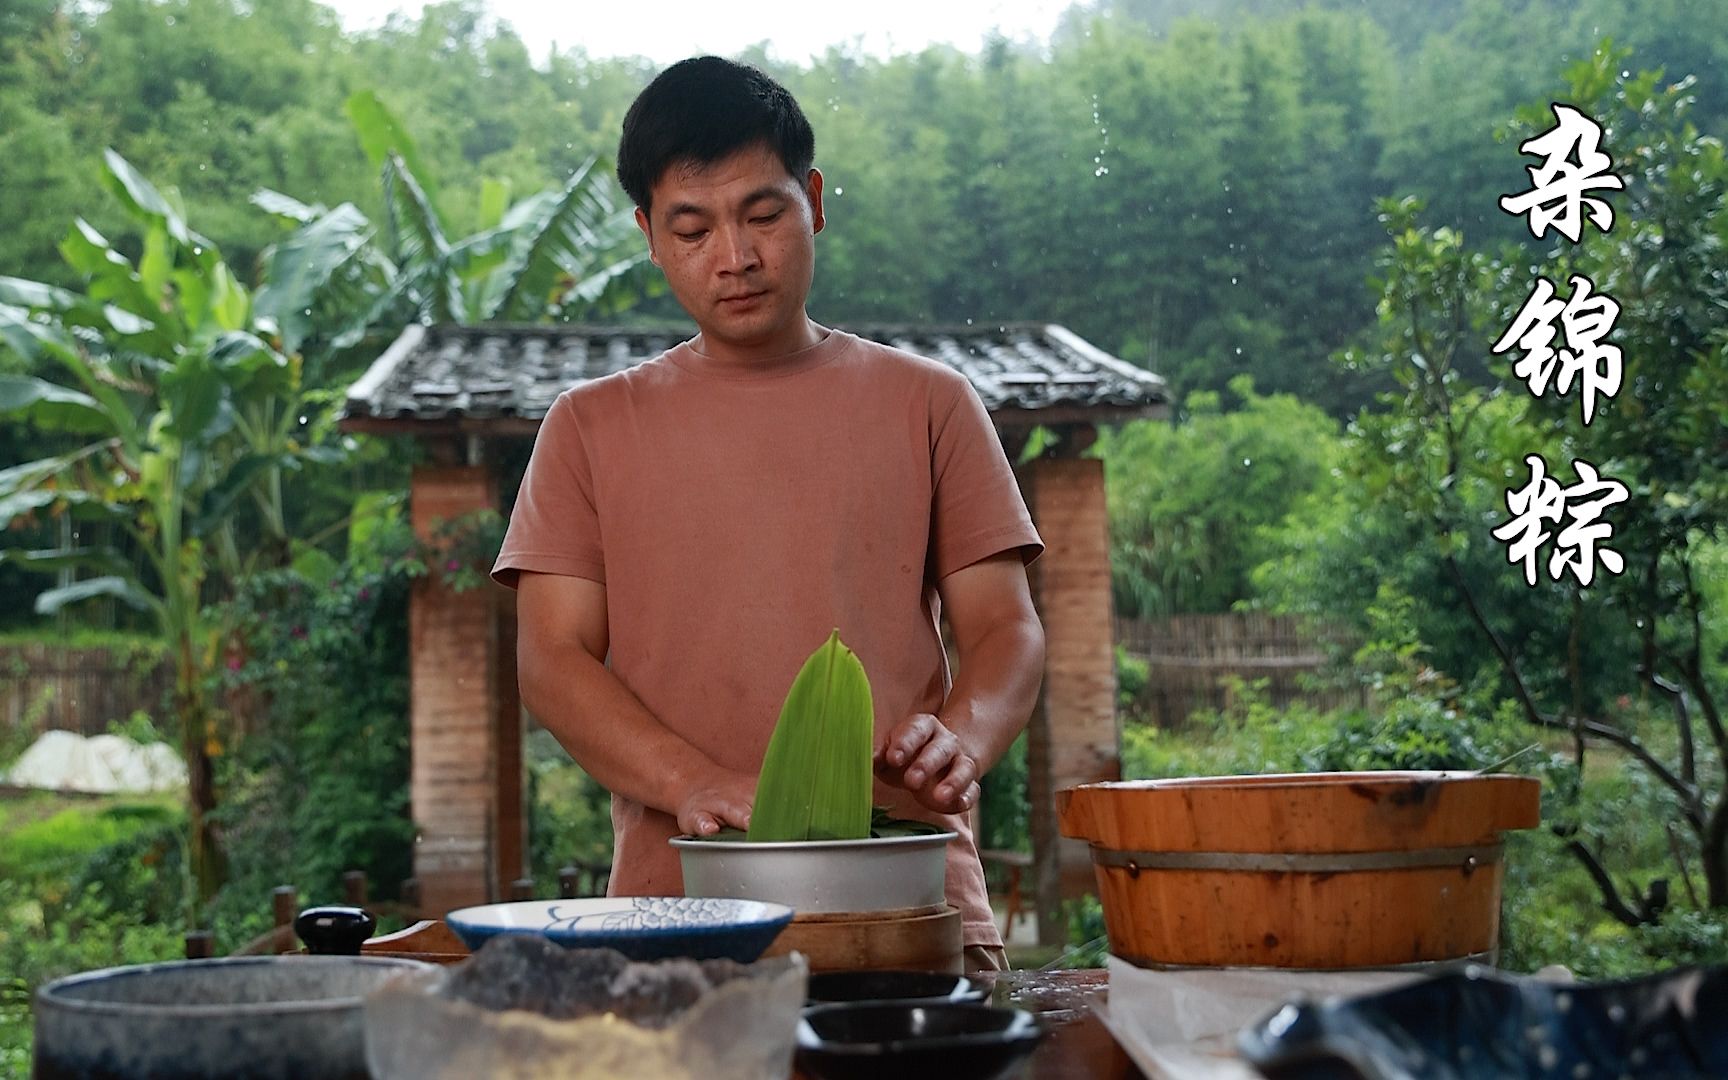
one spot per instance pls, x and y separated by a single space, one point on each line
831 345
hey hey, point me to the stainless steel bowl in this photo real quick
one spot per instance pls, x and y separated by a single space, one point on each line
820 876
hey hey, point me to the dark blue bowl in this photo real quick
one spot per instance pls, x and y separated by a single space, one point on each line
908 1041
640 927
1483 1023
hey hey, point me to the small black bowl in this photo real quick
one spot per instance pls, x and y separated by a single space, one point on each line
906 987
960 1041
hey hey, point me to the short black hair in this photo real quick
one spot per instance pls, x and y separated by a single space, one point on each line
702 110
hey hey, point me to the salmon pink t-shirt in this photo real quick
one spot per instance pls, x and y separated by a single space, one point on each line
737 515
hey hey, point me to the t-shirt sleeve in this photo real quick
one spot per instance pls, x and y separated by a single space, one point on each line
554 526
976 510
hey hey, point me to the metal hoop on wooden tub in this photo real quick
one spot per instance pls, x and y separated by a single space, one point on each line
1467 859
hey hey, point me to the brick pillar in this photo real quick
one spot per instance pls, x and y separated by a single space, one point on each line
1074 734
453 705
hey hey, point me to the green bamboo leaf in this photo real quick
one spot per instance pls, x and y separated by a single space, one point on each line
816 776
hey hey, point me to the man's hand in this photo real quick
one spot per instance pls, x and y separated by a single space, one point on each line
923 756
722 800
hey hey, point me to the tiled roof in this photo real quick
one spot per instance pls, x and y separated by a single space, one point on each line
474 374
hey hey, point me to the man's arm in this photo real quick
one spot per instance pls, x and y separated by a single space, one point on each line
1001 666
561 649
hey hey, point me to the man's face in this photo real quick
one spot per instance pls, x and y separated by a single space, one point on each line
736 241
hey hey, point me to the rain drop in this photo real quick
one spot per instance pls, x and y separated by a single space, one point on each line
302 420
1246 462
839 191
1238 348
1233 281
1624 74
968 322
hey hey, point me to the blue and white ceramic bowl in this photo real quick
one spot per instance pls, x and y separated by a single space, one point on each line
640 927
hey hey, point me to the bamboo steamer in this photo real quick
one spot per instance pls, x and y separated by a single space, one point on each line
906 939
1318 870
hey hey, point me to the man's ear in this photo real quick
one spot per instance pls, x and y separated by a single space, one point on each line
648 234
813 192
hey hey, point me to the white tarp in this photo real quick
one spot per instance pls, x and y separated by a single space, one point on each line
107 764
1183 1024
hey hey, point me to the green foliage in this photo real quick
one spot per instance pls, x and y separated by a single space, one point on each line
84 884
1088 944
186 413
322 786
1132 675
816 774
1191 503
40 943
1004 824
47 854
569 813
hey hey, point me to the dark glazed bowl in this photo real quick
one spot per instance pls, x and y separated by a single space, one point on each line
914 1042
1481 1022
905 987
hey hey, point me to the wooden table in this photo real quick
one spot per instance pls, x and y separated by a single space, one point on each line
1078 1044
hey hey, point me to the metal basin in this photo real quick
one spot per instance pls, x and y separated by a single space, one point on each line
820 876
277 1017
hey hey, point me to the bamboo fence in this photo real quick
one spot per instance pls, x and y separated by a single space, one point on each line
1191 659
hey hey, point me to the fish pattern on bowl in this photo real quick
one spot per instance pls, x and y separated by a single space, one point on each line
640 927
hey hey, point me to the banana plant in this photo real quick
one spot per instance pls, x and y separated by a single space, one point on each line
182 414
570 253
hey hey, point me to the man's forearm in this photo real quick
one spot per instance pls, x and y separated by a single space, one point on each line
996 689
610 733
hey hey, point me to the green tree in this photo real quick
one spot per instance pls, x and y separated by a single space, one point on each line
189 416
1191 502
1433 465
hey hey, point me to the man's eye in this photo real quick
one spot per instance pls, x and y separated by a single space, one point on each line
765 218
697 235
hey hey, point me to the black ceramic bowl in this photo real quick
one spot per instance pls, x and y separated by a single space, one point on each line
1481 1022
961 1041
906 987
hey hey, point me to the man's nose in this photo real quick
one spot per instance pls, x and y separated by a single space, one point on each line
737 250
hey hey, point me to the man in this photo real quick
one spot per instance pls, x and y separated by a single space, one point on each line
690 530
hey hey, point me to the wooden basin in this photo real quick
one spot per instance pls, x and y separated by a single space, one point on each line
1312 870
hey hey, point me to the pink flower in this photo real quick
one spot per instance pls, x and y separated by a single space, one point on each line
235 663
365 594
453 565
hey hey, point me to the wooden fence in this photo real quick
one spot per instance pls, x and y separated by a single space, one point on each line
1191 657
44 687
